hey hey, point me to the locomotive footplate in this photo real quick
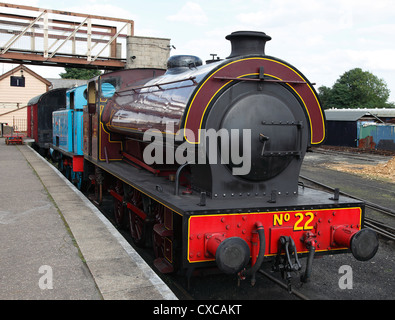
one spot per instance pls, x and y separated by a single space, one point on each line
162 190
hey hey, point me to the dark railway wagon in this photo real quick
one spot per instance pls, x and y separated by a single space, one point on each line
39 117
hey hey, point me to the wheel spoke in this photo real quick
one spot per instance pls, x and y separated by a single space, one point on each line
137 226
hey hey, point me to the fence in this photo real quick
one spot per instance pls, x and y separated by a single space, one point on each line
19 125
16 126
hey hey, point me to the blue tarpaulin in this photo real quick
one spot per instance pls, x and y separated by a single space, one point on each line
376 136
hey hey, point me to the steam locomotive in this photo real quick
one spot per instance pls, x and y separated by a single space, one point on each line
202 162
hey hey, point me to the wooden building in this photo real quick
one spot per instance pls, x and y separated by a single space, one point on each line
17 87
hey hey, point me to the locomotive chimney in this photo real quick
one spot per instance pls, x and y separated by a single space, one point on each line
247 43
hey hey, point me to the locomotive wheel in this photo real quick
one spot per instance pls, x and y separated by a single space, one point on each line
60 164
76 179
138 229
137 226
67 172
119 209
79 180
158 245
118 212
157 240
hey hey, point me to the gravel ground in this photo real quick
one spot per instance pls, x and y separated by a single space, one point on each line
371 280
374 279
334 277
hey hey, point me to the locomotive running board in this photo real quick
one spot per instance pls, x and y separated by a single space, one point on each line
161 189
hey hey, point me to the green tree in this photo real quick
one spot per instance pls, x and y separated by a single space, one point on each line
79 73
356 89
324 94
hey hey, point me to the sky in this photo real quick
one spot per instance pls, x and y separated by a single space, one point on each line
321 38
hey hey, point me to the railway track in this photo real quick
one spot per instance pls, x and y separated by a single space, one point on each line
197 291
272 284
351 150
382 228
281 284
180 287
271 288
268 286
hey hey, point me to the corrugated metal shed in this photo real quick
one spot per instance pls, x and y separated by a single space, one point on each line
363 128
356 114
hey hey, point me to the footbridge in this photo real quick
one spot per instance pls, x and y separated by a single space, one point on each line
37 36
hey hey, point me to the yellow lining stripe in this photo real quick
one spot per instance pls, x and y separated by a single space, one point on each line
256 58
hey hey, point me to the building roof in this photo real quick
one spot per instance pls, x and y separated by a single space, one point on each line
356 114
49 93
24 69
66 83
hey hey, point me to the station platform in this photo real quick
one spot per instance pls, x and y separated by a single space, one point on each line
56 245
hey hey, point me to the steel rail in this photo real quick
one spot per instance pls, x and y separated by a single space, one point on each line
375 225
379 230
283 285
381 224
367 203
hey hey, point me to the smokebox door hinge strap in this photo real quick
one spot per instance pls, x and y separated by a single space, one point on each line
261 73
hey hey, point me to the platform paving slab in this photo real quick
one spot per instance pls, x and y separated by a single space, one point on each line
32 236
52 223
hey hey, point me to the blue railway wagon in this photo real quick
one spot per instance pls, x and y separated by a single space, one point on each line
77 97
68 134
67 123
62 121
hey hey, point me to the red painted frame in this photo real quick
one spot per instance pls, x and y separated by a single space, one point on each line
319 223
